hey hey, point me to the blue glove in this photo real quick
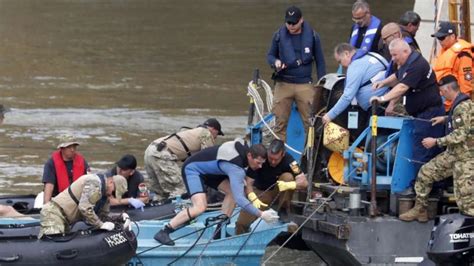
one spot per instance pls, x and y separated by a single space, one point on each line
136 203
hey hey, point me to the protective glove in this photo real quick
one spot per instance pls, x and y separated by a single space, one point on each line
136 203
255 201
283 185
270 216
109 226
126 221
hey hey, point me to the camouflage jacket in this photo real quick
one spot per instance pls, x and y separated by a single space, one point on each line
460 141
88 191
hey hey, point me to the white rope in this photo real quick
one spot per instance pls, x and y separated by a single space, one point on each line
252 92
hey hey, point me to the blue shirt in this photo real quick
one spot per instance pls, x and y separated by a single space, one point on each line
359 72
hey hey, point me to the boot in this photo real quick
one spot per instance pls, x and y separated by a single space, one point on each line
418 212
163 236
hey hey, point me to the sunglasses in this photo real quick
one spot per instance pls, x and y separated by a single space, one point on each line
291 23
441 38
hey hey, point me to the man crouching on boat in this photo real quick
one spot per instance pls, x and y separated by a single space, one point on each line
278 178
85 199
221 166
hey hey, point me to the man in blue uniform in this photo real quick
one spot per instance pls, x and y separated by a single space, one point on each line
365 32
220 167
295 46
415 82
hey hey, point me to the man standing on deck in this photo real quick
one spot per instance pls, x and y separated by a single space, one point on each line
294 47
86 199
455 58
415 82
409 23
457 160
365 32
64 167
126 167
163 156
280 168
221 167
361 73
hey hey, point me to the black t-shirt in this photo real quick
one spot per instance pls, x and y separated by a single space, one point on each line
132 182
49 173
423 92
267 175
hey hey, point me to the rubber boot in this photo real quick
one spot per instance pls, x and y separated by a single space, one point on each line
163 236
418 212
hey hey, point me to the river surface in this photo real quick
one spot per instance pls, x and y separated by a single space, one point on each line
119 74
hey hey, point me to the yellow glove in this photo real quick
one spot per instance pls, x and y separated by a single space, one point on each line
282 185
255 201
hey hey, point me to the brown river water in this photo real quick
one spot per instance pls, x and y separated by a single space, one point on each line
120 73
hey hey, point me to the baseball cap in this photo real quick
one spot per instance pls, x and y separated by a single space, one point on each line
120 184
128 161
445 28
212 122
293 14
446 80
67 140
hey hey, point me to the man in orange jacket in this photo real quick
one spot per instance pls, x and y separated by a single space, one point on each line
455 58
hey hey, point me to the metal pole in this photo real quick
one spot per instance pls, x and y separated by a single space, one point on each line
255 78
373 190
466 19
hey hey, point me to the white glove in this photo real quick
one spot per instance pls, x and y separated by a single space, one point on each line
126 221
107 226
270 216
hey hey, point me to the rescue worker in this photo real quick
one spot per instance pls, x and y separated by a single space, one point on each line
280 168
455 58
365 32
126 167
64 167
294 47
415 82
360 75
163 157
456 161
86 199
219 167
409 24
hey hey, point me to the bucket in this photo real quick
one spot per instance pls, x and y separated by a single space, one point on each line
405 204
335 138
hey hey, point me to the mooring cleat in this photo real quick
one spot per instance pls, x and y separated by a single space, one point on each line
164 238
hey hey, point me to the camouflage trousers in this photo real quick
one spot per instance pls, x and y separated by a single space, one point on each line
53 220
441 167
164 173
246 219
285 94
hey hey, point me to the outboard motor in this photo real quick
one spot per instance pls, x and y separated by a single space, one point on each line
452 240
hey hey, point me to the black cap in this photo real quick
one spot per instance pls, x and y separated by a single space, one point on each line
445 28
212 122
446 80
293 14
127 162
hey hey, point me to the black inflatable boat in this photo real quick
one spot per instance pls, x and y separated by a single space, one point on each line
83 246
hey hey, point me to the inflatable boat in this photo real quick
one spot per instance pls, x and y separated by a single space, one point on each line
20 245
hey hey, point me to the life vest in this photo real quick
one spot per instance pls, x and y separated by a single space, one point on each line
62 177
286 50
459 99
369 37
446 60
231 151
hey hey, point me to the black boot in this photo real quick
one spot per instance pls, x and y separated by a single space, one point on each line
163 236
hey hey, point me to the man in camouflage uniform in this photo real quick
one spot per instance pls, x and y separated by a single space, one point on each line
85 199
163 156
457 160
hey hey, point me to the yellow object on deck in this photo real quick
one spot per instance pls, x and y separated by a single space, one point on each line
336 138
336 167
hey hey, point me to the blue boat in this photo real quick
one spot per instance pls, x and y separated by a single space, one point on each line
195 243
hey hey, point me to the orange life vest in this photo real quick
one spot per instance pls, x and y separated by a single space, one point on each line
445 65
62 178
